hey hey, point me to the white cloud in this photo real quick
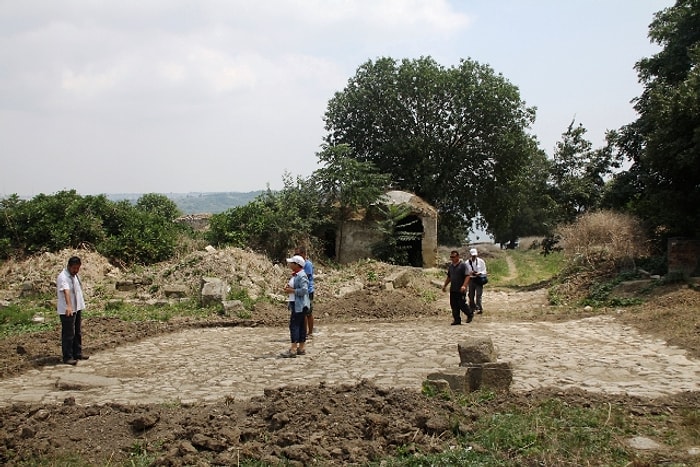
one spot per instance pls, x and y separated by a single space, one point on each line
214 95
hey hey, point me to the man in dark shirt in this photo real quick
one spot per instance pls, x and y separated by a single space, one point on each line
458 279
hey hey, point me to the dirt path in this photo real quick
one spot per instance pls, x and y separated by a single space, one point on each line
512 269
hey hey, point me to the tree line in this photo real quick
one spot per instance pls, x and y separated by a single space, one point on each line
458 137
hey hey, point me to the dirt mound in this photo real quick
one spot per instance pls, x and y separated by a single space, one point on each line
346 425
341 425
37 274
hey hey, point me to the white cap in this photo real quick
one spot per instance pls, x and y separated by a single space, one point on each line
473 252
297 259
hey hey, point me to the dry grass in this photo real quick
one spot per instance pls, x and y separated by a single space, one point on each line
604 239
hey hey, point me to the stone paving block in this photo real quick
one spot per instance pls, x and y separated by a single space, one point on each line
213 291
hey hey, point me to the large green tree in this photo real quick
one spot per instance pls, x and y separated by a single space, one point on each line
346 185
662 185
578 174
454 136
535 209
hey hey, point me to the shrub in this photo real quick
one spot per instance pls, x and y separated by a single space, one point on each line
604 240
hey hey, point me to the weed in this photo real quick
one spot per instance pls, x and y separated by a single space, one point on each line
244 314
19 319
372 276
241 294
429 295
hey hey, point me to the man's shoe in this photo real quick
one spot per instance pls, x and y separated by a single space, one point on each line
71 361
455 323
82 357
301 352
470 318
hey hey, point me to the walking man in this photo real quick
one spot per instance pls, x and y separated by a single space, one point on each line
476 268
458 279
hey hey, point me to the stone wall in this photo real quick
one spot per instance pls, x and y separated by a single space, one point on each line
683 256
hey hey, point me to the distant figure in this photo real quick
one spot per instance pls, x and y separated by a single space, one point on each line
309 270
298 302
70 305
458 278
476 268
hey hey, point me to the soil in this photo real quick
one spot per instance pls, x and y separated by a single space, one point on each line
339 424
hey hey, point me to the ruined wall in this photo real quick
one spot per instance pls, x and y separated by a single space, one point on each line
683 256
358 235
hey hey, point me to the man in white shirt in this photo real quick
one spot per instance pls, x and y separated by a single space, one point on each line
70 305
476 269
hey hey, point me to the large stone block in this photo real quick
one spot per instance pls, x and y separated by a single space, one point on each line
213 291
476 350
495 376
175 291
399 279
456 378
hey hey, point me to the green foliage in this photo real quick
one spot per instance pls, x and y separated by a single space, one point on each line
241 294
438 132
274 223
122 232
52 222
158 204
145 238
532 268
304 210
661 186
18 319
577 174
545 432
396 234
599 293
346 185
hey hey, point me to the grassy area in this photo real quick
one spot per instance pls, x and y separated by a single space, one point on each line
27 317
523 268
552 431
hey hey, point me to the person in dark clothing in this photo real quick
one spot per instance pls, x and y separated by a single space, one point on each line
458 279
70 305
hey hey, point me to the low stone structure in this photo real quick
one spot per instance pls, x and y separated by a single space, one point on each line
478 369
358 234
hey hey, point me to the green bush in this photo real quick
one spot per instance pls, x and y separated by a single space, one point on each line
126 234
274 223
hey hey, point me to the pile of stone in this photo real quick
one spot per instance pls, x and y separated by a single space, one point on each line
479 369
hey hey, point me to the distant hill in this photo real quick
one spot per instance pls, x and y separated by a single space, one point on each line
198 203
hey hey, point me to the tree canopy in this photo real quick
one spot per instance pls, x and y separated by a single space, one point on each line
454 136
662 185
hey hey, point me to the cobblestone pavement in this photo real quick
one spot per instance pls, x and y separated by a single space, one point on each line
596 354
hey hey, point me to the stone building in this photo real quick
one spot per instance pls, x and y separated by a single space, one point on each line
355 239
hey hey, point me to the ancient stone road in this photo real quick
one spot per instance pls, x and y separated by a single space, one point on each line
596 354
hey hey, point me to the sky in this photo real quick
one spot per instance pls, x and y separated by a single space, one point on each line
181 96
